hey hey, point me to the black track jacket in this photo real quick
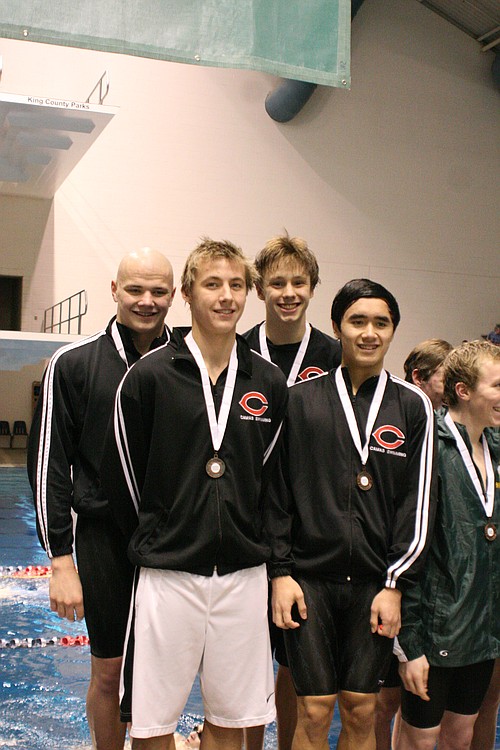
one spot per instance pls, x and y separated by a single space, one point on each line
153 469
322 354
68 430
321 523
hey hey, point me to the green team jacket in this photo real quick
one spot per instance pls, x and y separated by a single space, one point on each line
452 615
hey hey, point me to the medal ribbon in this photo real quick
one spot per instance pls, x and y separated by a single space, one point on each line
217 426
487 498
299 357
115 333
349 411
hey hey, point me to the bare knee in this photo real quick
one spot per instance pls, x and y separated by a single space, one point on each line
388 702
105 675
166 742
414 738
254 737
357 711
221 738
456 731
315 714
455 743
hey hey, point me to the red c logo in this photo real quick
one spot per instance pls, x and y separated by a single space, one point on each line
254 395
397 442
311 372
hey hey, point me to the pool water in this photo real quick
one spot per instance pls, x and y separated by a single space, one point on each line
42 690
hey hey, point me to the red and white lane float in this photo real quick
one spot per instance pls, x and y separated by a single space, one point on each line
30 571
65 640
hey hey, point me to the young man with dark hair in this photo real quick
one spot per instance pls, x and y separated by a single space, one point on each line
288 274
187 463
65 448
451 630
350 511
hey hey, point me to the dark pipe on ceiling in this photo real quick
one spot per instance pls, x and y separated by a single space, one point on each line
290 96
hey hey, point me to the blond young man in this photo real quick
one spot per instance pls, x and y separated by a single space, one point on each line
65 448
451 631
188 462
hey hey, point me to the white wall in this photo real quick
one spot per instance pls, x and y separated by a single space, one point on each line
396 180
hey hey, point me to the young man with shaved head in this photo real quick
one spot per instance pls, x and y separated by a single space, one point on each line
65 447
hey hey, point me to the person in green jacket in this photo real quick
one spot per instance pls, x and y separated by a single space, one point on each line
451 619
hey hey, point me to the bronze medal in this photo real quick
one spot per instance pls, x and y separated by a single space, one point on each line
364 480
490 532
215 468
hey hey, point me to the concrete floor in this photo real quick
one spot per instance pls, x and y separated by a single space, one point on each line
12 457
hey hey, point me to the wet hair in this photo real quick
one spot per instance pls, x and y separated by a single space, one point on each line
463 364
426 357
209 249
290 250
362 288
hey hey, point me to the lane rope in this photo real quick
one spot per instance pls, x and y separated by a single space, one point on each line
65 640
30 571
36 571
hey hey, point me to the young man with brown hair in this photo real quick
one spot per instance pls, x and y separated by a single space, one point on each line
288 274
424 367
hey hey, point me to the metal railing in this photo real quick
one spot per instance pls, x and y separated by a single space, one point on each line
103 86
56 316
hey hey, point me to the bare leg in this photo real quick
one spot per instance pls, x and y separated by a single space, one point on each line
456 731
314 716
165 742
286 708
396 728
486 722
103 707
286 715
388 701
220 738
411 738
254 737
357 711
